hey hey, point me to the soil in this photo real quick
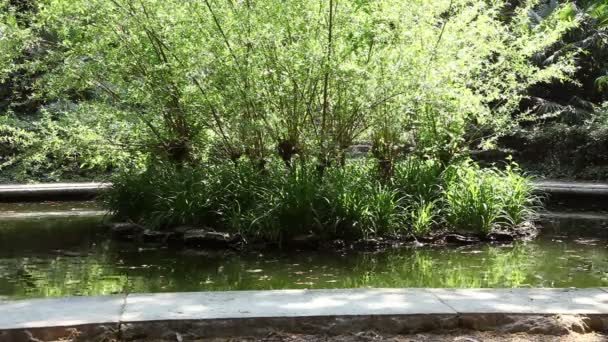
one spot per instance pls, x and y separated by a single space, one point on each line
452 336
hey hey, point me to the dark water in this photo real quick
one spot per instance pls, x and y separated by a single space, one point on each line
52 256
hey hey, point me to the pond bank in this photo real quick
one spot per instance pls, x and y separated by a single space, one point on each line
258 313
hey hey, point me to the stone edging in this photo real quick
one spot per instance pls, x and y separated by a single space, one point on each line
571 188
58 191
50 191
232 313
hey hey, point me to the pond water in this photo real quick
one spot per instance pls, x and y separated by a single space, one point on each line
44 256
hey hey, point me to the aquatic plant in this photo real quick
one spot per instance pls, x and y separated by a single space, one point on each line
479 200
350 202
422 217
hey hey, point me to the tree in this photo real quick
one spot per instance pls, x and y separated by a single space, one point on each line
296 80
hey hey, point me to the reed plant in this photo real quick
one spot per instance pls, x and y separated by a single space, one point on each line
350 202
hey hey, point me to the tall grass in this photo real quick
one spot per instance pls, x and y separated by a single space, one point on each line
349 202
422 217
360 205
416 178
479 200
518 199
472 201
289 205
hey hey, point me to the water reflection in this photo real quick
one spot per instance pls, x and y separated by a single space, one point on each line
63 257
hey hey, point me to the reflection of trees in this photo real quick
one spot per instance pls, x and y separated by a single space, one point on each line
110 268
47 234
62 276
498 267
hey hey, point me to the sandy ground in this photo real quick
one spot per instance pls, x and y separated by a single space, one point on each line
456 336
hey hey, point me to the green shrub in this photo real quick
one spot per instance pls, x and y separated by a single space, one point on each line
360 205
472 201
288 204
83 142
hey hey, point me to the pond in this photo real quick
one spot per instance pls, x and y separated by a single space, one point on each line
43 254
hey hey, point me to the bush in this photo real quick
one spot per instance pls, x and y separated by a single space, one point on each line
286 199
360 204
560 150
518 201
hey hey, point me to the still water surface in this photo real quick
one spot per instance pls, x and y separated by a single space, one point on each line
66 256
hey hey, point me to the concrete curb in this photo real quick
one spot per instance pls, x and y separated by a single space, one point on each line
51 192
51 214
256 313
58 191
561 188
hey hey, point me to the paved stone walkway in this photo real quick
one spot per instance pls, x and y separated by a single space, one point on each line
131 308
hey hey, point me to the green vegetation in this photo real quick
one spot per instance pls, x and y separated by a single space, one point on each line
565 149
479 199
352 201
565 136
240 115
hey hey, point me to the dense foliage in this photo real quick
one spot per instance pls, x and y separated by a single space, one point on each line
257 79
562 149
350 202
567 133
241 113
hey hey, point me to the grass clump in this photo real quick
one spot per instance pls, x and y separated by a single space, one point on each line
479 200
472 203
422 217
349 202
360 205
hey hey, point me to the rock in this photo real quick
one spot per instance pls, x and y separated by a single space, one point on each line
175 239
183 229
373 244
367 244
202 238
426 239
126 230
307 241
154 236
176 235
338 244
461 239
500 237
